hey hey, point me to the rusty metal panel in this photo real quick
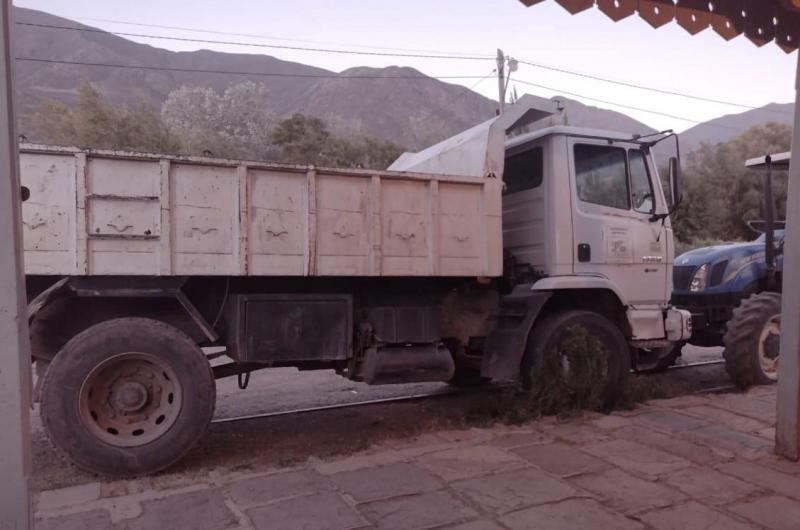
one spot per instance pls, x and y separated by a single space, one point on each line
727 19
342 244
657 12
278 222
205 207
405 243
616 10
576 6
761 21
122 210
48 216
693 15
114 256
460 228
124 218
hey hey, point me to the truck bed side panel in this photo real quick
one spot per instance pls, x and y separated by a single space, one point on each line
121 213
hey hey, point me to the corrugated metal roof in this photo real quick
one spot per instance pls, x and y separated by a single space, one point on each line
761 21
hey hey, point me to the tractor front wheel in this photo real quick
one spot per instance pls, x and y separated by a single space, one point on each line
752 341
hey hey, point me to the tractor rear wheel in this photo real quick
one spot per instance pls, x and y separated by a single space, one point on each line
752 340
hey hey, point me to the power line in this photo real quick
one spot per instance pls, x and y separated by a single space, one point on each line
644 87
622 105
461 95
336 76
452 56
257 45
235 72
394 54
272 37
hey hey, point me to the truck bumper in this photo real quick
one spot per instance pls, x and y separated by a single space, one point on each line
678 325
710 315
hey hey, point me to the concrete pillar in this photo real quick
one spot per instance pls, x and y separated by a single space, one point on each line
15 511
787 434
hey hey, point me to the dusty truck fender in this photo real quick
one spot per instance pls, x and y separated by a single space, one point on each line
60 289
508 333
554 283
128 296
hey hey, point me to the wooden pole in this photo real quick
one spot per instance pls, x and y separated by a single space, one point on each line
787 432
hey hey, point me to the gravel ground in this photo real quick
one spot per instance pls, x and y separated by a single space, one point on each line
284 440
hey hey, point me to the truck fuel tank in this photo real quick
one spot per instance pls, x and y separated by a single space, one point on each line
407 364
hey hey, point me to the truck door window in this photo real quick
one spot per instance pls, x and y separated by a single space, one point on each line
601 175
641 187
523 171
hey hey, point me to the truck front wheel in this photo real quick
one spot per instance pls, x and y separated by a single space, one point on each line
576 359
127 397
752 341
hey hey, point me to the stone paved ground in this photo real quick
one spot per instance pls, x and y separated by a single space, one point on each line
702 462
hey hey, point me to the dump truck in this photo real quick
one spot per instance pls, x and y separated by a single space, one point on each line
475 260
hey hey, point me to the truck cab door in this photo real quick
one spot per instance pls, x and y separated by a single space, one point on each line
613 201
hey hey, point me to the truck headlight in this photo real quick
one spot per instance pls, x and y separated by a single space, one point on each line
699 279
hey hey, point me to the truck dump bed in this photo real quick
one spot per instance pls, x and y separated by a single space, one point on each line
95 212
122 213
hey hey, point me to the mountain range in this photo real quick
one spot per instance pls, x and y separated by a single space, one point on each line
394 103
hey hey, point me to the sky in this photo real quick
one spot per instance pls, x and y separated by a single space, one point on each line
704 65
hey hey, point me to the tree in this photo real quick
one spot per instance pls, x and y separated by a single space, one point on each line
234 124
306 140
303 140
196 120
721 194
93 122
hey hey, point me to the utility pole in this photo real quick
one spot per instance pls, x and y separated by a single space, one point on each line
501 79
15 506
787 430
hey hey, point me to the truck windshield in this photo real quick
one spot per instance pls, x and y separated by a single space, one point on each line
601 175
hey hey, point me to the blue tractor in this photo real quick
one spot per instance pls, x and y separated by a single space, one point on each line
734 293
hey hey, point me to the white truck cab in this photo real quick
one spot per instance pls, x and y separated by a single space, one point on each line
586 210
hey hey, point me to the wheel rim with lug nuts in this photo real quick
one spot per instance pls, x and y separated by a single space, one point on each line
130 399
769 347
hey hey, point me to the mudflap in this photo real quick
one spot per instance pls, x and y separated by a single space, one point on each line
508 334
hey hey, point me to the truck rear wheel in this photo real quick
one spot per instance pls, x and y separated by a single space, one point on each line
576 359
752 341
126 397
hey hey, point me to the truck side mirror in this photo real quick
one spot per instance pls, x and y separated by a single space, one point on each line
675 184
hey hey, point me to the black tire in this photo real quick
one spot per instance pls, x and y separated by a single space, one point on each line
667 357
468 369
468 377
751 339
598 358
71 371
